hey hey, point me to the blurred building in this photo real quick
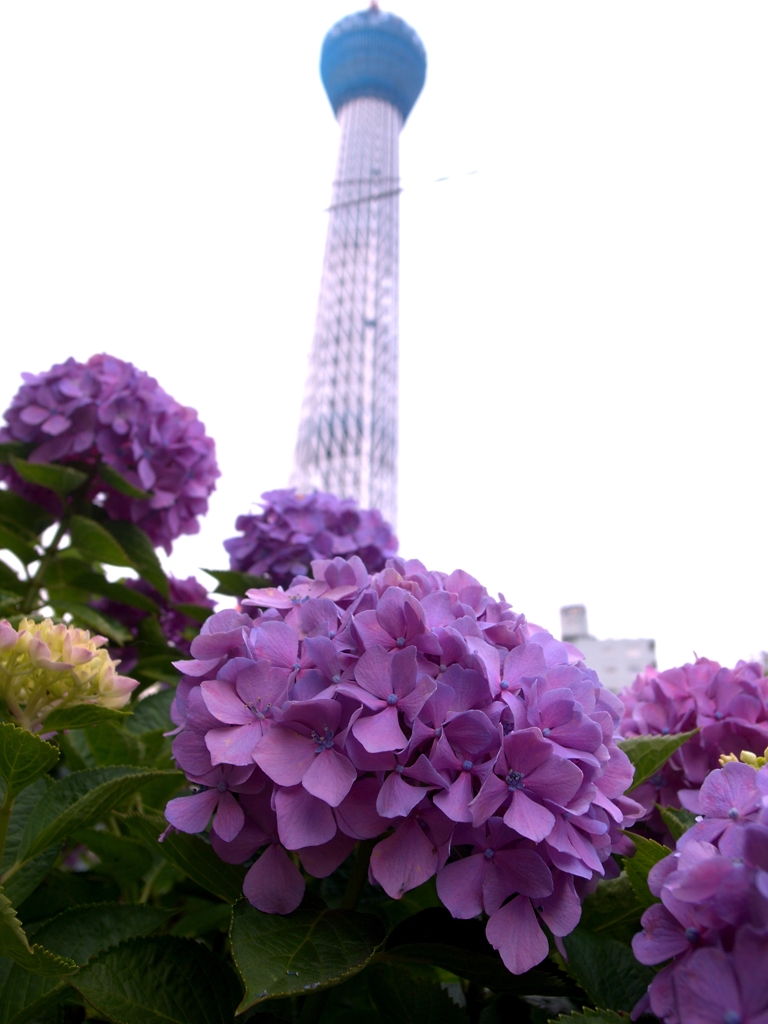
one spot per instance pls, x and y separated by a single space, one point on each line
616 662
373 67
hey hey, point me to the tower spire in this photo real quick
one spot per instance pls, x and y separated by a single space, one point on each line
373 67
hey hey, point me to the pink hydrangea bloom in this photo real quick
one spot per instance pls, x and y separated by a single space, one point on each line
729 706
410 707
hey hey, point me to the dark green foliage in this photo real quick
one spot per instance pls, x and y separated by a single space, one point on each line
160 981
236 584
78 934
23 757
649 753
677 820
405 998
191 855
607 970
79 800
434 937
61 479
647 853
314 947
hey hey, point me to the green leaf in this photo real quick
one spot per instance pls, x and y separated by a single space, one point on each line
61 479
80 800
11 541
28 877
66 571
111 745
119 483
151 713
14 944
160 981
279 955
117 592
212 917
607 970
10 582
157 668
190 854
593 1017
89 618
647 853
19 448
614 908
62 890
80 934
139 547
96 543
433 937
199 612
649 753
123 858
677 820
24 517
82 715
404 999
23 757
235 584
25 880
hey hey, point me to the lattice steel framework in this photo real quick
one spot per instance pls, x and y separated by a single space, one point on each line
373 69
347 439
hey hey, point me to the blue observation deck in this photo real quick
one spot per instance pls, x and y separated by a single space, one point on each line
373 53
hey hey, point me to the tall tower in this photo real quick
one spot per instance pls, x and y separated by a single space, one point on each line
373 67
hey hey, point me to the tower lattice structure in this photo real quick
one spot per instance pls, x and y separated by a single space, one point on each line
373 67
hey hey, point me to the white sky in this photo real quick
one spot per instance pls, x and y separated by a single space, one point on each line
582 323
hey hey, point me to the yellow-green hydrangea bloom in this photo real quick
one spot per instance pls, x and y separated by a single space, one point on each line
45 666
746 757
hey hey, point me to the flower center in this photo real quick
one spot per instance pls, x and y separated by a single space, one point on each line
400 641
658 780
731 1017
488 854
546 732
515 781
392 699
693 935
399 769
336 678
718 718
733 814
323 742
222 787
504 684
467 766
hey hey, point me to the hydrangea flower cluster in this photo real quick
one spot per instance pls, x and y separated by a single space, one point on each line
107 411
713 915
174 622
729 706
409 707
45 666
294 529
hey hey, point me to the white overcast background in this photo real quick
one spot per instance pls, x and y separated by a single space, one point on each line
582 321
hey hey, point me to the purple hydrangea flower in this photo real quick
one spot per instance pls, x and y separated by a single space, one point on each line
729 706
410 707
294 529
106 411
712 918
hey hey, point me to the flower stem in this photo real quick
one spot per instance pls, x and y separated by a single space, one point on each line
5 817
30 600
358 875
